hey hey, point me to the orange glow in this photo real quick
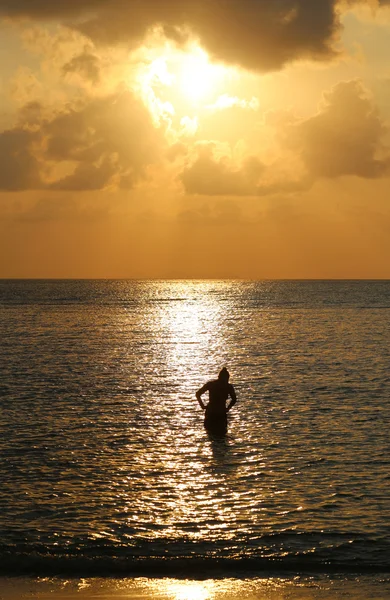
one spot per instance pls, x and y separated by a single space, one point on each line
177 83
187 74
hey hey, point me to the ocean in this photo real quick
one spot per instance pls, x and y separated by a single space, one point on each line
106 469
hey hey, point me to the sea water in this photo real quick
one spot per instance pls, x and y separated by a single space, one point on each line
106 468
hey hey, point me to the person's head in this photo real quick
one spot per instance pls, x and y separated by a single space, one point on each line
224 375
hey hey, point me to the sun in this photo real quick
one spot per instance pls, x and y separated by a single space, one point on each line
185 76
181 86
197 78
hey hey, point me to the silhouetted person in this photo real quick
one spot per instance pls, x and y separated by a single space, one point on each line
219 390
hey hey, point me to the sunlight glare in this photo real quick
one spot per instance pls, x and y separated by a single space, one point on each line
188 590
187 74
197 77
158 72
177 84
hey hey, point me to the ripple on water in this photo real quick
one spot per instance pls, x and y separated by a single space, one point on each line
102 439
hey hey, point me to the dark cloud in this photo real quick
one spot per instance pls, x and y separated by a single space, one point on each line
19 168
47 9
257 34
30 115
216 177
87 65
107 141
88 176
210 176
110 138
345 137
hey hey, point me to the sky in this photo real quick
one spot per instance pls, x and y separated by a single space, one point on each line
202 139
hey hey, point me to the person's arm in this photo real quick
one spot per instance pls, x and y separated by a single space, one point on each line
233 397
199 393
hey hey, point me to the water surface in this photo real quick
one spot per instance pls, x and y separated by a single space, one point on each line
106 467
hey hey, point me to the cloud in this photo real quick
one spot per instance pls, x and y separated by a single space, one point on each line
19 168
111 136
89 176
25 86
256 34
215 177
175 151
45 9
86 65
345 137
225 101
108 141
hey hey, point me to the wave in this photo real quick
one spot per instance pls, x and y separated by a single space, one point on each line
165 558
85 566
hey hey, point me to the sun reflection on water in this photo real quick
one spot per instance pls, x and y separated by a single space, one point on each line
222 589
192 325
191 498
189 590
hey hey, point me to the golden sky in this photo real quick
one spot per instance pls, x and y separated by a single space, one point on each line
205 138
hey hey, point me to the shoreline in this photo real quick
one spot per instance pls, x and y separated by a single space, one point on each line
229 588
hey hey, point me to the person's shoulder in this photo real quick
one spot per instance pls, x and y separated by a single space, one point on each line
212 382
209 383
